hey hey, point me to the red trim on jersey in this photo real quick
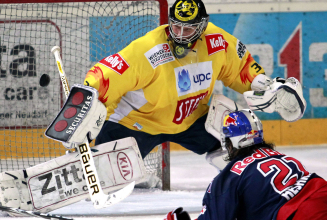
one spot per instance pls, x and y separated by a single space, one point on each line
291 206
314 208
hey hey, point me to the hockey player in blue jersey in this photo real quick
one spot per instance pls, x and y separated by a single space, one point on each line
259 183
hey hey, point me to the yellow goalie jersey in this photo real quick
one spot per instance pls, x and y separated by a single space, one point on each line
146 88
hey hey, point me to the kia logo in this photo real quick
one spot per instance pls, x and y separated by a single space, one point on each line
125 166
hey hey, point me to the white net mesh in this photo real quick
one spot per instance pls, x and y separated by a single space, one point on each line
153 166
86 33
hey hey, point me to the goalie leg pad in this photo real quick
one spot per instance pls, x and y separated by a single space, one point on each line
60 182
14 191
83 114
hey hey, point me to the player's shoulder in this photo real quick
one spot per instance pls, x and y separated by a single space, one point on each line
215 30
160 30
155 35
140 53
149 40
217 39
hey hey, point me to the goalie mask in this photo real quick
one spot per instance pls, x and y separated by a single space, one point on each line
243 128
188 19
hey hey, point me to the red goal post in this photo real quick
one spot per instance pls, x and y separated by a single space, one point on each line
86 31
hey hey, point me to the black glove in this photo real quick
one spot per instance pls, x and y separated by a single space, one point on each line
178 214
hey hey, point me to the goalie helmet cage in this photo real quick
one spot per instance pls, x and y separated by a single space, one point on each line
86 31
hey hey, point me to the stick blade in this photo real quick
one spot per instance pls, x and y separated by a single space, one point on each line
33 214
115 197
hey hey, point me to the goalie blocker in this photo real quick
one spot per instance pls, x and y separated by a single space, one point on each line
81 116
60 182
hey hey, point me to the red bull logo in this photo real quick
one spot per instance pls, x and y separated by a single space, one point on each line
230 121
252 134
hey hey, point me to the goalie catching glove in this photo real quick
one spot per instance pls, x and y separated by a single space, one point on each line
82 116
277 95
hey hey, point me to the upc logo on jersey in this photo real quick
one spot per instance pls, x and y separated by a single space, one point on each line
215 43
186 107
159 54
201 77
184 82
193 77
115 62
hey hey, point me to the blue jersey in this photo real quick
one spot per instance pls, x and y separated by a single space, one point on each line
255 187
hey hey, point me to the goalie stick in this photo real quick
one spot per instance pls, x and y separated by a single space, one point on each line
98 198
112 199
33 214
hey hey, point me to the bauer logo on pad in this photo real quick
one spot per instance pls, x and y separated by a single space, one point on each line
115 62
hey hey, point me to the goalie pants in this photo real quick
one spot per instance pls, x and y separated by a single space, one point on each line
195 138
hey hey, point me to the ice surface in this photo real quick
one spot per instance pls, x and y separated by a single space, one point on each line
190 176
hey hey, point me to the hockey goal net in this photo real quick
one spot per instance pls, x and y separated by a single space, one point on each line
86 31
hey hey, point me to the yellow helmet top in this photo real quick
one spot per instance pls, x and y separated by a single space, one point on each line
186 10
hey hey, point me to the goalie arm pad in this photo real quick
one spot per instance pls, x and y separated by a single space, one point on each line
277 95
220 106
82 115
